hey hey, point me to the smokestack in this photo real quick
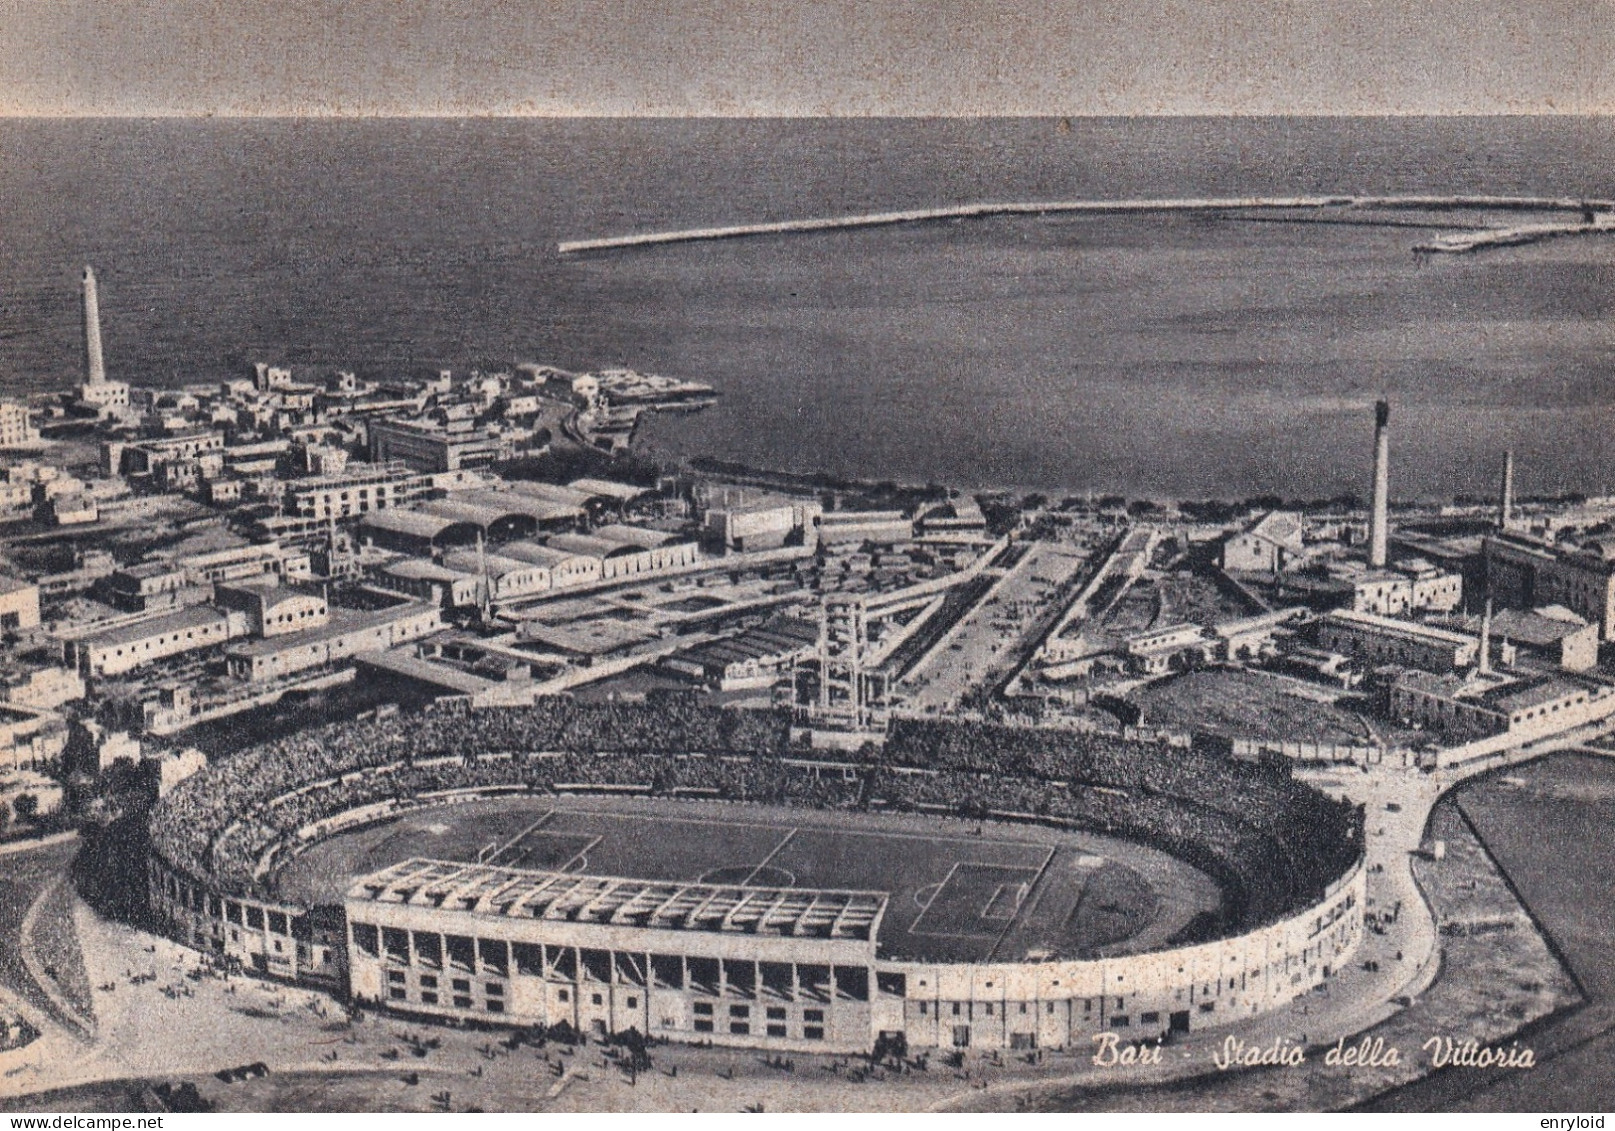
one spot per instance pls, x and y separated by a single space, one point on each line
95 372
1505 504
1379 520
1485 665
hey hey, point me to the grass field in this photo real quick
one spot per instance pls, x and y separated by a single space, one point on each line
958 891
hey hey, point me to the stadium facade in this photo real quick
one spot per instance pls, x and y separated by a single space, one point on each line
763 967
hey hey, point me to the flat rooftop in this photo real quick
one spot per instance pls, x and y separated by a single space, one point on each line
1533 693
342 622
198 616
1401 627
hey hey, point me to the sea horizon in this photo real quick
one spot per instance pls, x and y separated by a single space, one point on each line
1174 357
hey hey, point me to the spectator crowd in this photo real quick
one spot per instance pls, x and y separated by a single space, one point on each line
1273 843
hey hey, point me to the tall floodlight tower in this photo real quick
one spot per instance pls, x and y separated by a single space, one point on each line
1505 501
95 372
1380 519
843 640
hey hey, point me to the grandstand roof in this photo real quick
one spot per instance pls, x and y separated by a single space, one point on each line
725 908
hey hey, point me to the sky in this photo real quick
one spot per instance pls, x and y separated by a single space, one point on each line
805 57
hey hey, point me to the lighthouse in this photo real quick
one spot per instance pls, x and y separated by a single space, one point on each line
105 397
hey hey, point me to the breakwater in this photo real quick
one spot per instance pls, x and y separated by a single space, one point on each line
1095 207
1457 243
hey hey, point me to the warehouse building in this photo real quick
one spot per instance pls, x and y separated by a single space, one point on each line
347 634
125 647
1382 640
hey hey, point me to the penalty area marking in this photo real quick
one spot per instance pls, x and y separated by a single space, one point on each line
1016 894
581 859
518 838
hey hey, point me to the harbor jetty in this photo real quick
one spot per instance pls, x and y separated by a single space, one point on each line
1457 243
1600 209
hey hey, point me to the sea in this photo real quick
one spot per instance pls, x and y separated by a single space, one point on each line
1182 355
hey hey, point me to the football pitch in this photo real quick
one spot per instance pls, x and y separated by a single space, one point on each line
959 891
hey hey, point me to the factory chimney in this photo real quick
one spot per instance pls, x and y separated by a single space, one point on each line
1484 667
1378 521
95 372
1505 503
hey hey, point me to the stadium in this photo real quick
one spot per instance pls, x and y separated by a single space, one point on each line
688 873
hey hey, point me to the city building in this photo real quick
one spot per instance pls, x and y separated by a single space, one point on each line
884 527
1526 572
44 688
16 426
416 532
1552 634
78 509
1169 647
765 525
1478 706
272 609
30 736
507 578
430 446
123 647
19 604
345 634
1271 544
756 658
150 586
567 568
17 783
960 518
1249 638
358 490
198 450
628 551
174 766
1375 640
428 581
